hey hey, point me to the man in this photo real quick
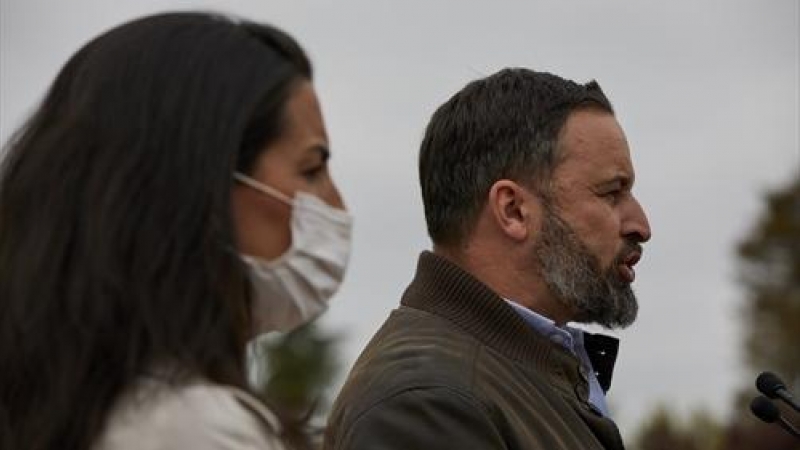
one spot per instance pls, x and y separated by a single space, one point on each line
526 180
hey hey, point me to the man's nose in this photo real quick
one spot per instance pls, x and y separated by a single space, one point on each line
636 225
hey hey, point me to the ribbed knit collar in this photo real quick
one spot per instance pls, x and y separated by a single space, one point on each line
446 290
442 288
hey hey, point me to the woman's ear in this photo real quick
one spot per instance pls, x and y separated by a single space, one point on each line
513 208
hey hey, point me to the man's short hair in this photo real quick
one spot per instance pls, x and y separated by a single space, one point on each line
504 126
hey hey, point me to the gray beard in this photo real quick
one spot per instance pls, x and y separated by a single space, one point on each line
574 276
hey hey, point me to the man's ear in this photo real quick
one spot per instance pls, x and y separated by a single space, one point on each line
513 209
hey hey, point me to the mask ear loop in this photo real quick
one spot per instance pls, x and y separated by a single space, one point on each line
271 191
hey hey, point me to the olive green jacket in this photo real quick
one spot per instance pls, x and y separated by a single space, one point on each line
455 367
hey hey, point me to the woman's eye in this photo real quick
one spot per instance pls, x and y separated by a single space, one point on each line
314 172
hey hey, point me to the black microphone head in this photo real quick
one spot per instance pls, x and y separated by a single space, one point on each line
769 384
764 409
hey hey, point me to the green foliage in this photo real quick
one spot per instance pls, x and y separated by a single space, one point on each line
770 273
292 371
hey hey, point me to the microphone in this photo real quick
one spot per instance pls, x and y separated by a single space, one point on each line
770 385
765 410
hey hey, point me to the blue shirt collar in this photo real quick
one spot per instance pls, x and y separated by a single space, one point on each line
571 339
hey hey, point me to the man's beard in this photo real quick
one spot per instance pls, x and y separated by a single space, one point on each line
575 277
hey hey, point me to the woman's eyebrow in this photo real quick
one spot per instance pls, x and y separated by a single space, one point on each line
323 151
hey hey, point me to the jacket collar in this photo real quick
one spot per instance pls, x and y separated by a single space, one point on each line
442 288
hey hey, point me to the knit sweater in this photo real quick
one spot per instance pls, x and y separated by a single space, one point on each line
455 367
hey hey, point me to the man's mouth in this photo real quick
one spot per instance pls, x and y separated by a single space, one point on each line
625 268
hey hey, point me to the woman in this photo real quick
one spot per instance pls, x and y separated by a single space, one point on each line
168 200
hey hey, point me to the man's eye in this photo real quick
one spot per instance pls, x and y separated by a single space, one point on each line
613 196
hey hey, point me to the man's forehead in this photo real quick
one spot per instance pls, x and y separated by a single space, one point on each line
591 126
588 132
594 139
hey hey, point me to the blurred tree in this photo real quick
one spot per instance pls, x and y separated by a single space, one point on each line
757 437
706 431
770 272
292 373
745 432
663 431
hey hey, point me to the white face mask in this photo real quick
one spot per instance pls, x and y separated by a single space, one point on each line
295 288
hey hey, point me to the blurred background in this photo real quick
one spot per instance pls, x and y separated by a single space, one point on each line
707 92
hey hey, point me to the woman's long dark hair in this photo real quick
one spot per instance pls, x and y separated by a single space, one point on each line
117 249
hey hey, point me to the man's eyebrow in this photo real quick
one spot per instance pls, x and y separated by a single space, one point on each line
619 180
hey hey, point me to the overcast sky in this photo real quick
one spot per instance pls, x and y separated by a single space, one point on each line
706 91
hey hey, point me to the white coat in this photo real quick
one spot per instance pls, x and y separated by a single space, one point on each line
156 415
